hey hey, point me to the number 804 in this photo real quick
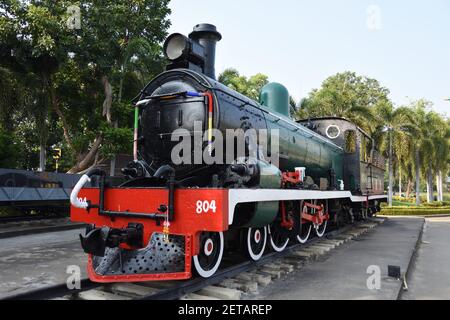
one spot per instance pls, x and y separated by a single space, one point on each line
206 206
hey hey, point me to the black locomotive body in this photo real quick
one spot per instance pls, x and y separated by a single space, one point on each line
298 146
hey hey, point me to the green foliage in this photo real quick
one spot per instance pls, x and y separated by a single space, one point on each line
56 79
250 87
345 95
407 200
9 150
417 211
116 140
436 204
399 202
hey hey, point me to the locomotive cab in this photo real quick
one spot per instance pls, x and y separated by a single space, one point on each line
364 166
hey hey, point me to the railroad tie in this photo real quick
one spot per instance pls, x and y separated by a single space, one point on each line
294 262
242 285
262 280
194 296
324 246
132 290
96 294
272 273
221 293
303 255
316 250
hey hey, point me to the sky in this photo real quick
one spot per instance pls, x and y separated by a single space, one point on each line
404 44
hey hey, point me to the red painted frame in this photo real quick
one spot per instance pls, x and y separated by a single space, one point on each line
187 222
319 217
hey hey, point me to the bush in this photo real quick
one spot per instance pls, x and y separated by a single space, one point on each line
423 200
415 211
9 150
402 199
436 204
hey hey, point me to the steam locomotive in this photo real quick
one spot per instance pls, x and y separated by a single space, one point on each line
175 217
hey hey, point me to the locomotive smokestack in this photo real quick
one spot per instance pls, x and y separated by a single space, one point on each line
208 36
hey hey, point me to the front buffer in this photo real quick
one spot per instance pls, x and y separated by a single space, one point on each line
135 235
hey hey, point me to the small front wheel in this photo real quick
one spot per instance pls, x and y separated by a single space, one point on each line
207 262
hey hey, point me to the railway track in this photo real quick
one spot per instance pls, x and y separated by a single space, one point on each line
21 226
229 283
27 218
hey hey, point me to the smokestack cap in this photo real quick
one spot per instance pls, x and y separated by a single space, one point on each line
205 30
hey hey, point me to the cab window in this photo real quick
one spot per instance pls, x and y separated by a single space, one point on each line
350 141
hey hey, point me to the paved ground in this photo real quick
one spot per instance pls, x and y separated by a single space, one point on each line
343 273
430 274
33 261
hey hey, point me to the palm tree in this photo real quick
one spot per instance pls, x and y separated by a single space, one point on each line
331 104
393 125
430 149
403 149
442 155
346 95
417 116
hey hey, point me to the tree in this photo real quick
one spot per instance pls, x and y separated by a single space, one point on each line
9 150
393 126
433 135
345 95
250 87
441 152
404 151
82 72
431 147
442 156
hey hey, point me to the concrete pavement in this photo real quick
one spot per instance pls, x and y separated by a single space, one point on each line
430 272
343 273
34 261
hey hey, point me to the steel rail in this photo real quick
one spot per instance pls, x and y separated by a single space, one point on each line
53 292
9 219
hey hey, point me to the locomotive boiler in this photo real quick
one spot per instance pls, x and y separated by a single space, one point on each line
215 172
